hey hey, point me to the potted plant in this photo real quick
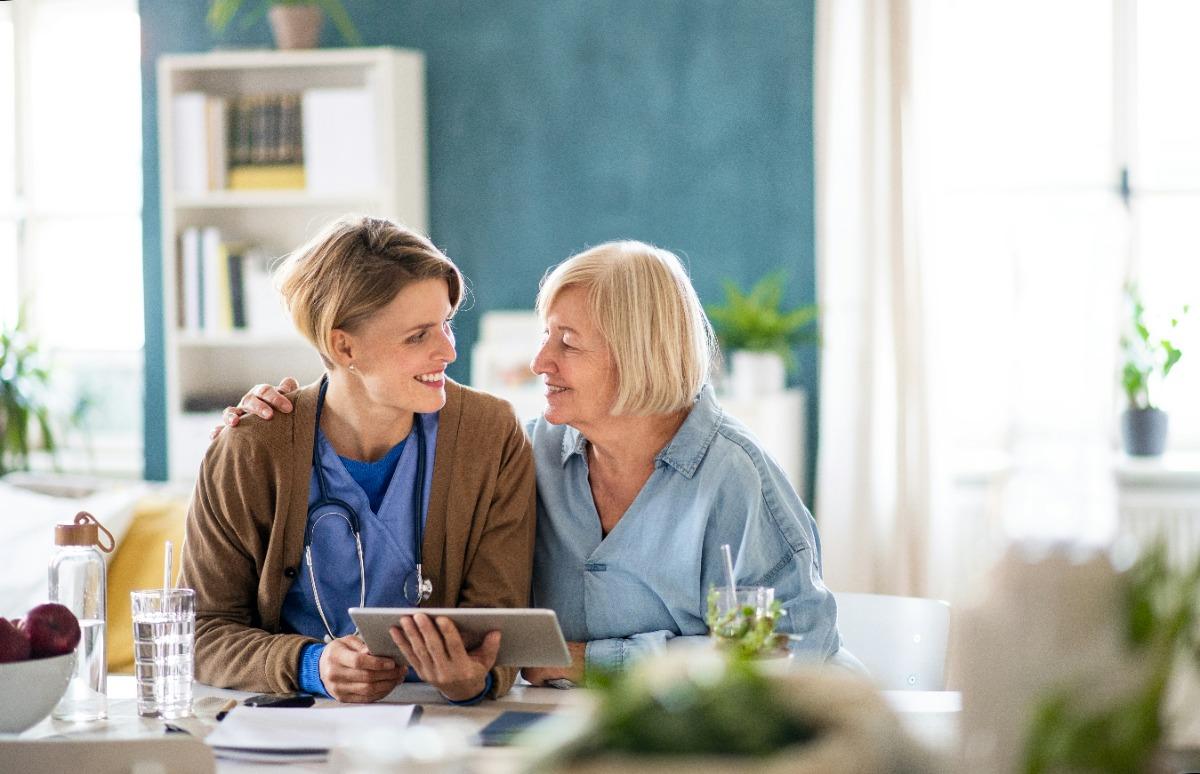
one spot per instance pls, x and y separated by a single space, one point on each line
1148 359
1074 729
699 709
1097 675
294 23
24 383
759 334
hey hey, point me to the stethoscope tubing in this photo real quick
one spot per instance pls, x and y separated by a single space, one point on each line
424 586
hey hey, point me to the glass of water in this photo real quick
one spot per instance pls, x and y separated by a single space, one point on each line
164 631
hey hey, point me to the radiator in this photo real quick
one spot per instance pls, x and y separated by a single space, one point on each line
1161 498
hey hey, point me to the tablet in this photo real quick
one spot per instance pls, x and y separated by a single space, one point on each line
528 636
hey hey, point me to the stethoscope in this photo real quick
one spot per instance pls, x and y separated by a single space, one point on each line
420 588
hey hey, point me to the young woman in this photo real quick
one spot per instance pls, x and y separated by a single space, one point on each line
386 485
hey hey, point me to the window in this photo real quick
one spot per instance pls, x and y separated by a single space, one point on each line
1165 183
1029 113
70 213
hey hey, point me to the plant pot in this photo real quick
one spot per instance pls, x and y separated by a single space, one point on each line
295 26
857 732
1144 432
754 374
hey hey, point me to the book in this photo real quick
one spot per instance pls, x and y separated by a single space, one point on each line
267 176
188 280
265 312
237 289
217 141
239 131
214 288
340 146
189 142
290 735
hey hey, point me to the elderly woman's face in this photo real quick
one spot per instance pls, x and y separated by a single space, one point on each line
575 364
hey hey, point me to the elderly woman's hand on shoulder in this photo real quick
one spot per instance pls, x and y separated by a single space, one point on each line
261 400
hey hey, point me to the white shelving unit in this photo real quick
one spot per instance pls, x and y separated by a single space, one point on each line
208 364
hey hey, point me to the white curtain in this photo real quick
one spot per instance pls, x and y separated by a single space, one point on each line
874 473
969 314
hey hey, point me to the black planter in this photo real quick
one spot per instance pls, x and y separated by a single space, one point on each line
1144 432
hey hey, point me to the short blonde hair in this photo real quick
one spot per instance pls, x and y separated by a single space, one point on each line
354 268
644 304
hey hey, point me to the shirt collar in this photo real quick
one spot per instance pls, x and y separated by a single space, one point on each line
573 443
686 449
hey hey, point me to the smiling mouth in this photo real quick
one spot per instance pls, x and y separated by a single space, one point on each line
434 379
554 389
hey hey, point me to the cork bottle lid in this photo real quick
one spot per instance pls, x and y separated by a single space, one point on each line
84 532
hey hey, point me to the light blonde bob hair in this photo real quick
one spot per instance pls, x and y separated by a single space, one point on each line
643 302
351 270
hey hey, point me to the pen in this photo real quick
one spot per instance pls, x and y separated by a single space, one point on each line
228 705
418 710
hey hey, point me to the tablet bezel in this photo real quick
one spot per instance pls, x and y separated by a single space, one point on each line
528 636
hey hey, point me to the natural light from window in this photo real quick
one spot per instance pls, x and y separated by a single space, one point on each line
1028 242
70 213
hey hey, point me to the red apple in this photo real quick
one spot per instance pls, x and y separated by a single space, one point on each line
52 629
14 645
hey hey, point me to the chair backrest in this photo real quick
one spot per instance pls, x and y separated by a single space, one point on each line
901 640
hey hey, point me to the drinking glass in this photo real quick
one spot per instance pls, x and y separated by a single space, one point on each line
164 633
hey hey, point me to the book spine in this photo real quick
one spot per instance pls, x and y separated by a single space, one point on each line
213 272
237 290
188 127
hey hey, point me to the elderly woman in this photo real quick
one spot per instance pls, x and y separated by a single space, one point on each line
348 500
641 477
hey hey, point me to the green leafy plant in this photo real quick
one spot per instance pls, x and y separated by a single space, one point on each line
1162 621
222 12
696 703
755 320
24 384
1147 356
744 631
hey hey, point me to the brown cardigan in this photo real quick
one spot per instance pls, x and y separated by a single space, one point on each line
244 540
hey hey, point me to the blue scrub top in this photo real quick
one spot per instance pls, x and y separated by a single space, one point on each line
389 552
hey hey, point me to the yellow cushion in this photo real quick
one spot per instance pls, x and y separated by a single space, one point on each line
138 564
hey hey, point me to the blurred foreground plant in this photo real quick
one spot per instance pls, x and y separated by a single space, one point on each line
1162 622
706 702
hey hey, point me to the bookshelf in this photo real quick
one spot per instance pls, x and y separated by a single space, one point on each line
344 129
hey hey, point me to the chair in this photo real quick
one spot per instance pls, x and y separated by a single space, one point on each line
902 641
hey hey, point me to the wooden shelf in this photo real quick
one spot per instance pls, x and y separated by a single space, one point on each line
266 199
241 339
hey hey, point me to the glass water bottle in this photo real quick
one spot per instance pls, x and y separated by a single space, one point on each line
78 581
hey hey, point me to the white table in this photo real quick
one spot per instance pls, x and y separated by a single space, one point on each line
931 717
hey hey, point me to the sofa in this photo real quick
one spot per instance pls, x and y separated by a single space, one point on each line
140 516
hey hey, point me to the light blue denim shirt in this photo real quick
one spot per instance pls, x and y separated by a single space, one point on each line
647 581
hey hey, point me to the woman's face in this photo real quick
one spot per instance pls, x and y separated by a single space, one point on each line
575 364
400 353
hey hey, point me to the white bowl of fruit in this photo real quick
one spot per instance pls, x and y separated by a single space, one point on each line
37 658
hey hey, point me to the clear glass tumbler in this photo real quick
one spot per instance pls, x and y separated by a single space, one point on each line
164 633
731 615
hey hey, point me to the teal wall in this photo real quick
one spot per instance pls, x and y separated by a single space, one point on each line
557 125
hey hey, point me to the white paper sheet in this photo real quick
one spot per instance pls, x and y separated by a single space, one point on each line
272 733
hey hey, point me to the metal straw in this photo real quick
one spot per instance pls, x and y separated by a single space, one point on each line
167 567
729 575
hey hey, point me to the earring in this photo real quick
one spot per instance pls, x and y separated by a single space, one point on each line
353 367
